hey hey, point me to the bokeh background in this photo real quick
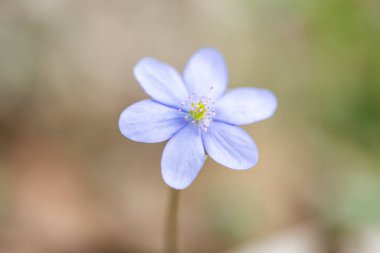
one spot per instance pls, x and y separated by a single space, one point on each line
70 182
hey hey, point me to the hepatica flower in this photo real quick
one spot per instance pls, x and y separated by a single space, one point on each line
197 115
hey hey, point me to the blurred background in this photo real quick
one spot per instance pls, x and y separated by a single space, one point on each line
71 183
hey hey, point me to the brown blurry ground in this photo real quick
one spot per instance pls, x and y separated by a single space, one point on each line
69 181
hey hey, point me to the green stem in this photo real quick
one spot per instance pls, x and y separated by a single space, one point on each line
171 225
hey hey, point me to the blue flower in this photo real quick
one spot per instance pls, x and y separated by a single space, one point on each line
196 113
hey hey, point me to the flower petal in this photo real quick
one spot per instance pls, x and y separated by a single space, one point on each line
206 68
230 146
245 105
148 121
183 157
160 81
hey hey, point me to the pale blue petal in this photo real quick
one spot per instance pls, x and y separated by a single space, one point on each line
245 105
230 146
160 81
183 157
206 68
148 121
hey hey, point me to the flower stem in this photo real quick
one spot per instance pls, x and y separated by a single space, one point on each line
171 225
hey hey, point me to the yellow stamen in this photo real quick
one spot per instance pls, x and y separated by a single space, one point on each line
198 111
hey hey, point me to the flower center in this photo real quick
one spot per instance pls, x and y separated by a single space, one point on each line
199 109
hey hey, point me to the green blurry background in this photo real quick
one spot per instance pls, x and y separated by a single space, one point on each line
69 182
